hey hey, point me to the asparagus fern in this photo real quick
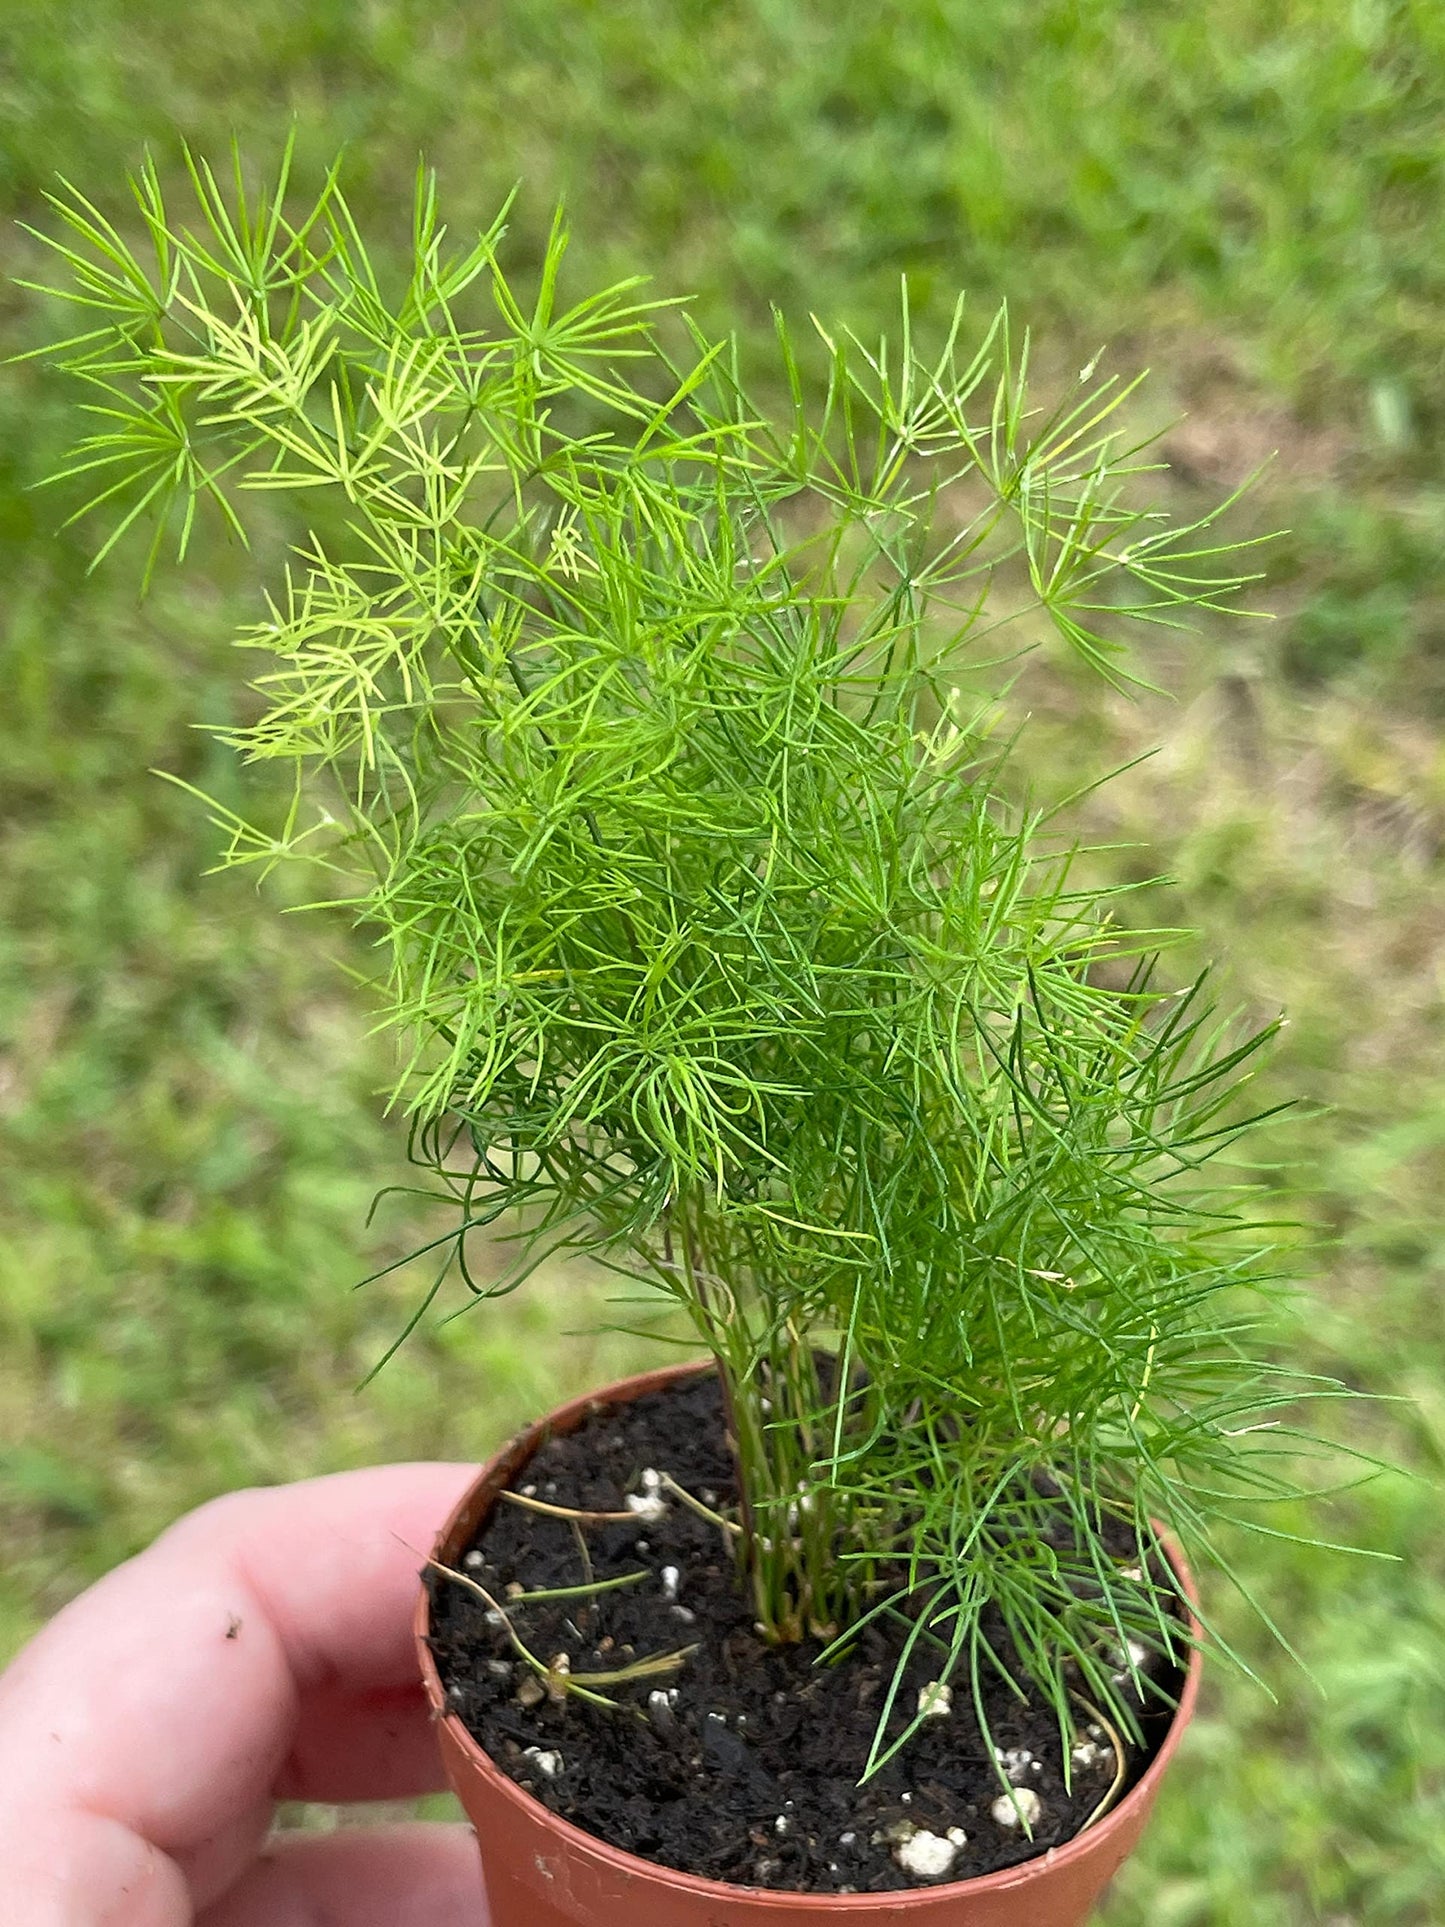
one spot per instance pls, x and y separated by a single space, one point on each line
643 733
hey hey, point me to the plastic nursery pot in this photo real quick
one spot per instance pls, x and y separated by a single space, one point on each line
541 1871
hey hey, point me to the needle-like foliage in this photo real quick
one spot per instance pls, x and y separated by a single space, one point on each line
634 725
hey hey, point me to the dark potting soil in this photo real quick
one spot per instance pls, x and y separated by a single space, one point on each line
748 1770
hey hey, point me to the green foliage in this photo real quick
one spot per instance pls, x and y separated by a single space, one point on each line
632 728
1272 173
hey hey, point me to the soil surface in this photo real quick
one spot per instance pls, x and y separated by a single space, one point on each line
746 1768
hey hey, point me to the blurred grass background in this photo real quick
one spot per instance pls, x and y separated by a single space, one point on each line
1247 198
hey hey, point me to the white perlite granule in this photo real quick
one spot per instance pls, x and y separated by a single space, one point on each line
929 1856
1022 1807
935 1700
1016 1761
1129 1659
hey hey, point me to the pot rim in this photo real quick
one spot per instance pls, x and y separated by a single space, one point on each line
508 1460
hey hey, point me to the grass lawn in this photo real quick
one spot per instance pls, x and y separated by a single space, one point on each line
1247 198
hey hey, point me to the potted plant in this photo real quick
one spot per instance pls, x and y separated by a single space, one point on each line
652 739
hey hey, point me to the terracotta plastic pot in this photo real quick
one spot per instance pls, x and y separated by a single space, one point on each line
541 1871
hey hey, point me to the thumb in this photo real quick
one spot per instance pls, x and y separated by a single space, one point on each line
407 1876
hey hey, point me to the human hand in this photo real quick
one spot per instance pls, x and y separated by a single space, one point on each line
259 1651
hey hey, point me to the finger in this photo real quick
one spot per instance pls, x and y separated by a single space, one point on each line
412 1876
334 1562
376 1746
134 1706
168 1698
339 1581
79 1870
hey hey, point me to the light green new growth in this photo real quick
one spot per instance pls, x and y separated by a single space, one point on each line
631 723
